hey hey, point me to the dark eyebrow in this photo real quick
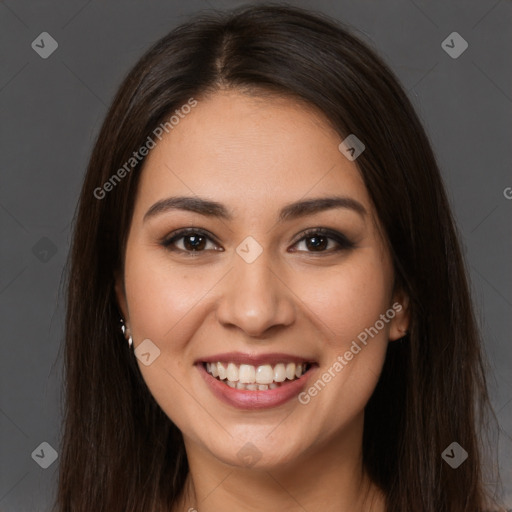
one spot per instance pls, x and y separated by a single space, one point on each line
289 212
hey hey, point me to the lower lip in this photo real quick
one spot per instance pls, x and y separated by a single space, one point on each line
245 399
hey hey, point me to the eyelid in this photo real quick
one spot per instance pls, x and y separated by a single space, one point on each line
339 237
180 233
342 240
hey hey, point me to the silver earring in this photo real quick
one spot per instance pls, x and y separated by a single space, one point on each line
123 329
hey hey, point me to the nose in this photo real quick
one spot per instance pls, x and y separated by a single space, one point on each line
255 297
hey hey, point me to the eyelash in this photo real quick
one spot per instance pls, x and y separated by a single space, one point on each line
343 242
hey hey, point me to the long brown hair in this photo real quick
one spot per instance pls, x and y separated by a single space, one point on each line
119 451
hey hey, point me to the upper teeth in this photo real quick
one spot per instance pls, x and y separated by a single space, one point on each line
249 374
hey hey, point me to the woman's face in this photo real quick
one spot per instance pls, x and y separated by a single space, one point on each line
247 287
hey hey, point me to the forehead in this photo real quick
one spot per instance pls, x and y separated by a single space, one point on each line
249 152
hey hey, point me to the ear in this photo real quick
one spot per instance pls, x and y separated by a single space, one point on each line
399 325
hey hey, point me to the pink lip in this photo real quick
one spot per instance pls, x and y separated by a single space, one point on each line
244 399
255 360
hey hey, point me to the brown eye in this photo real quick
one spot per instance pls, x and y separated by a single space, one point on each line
194 240
317 240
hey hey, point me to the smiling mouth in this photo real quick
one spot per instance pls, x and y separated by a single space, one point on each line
256 378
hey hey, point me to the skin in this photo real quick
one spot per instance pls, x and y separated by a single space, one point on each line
256 155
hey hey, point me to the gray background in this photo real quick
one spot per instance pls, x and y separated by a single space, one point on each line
51 110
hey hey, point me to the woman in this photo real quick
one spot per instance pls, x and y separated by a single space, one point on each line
268 307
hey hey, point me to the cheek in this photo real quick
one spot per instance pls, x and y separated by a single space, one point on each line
164 305
348 299
348 303
163 298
